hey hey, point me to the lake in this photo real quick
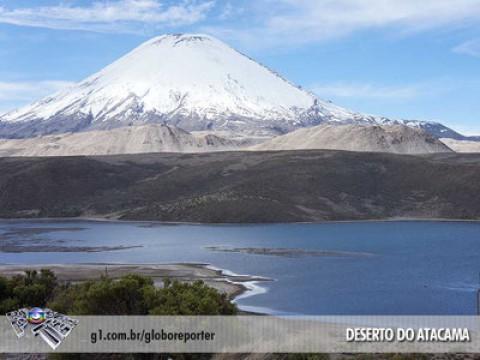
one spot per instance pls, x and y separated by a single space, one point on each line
398 267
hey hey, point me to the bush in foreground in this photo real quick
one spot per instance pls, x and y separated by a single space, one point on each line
31 289
137 295
130 295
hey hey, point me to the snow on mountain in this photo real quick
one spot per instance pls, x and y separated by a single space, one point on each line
399 139
432 127
195 82
191 81
124 140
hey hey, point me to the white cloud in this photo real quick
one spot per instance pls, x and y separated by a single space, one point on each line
471 47
22 92
284 22
263 22
109 16
371 91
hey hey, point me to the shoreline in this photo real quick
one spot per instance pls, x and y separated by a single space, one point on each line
250 287
233 285
190 223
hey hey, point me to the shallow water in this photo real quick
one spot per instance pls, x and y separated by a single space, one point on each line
416 267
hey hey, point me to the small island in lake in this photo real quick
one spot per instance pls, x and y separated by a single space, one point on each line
286 252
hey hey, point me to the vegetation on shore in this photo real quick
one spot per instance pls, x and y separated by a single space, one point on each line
137 295
130 295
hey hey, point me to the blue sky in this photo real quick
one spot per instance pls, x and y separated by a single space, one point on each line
397 58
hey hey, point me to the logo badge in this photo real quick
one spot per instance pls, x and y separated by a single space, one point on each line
51 326
36 316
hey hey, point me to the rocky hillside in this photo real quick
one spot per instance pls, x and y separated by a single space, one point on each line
467 146
125 140
399 139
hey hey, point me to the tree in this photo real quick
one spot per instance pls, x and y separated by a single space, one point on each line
30 289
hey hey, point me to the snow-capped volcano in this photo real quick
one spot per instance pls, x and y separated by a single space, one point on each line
195 82
191 81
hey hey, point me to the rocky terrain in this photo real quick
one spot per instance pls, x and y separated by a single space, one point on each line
153 138
398 139
465 146
124 140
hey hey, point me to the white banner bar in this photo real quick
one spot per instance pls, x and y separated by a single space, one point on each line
243 334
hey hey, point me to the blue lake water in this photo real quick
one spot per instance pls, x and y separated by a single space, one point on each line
416 267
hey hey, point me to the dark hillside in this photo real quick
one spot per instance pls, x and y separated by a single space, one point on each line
243 186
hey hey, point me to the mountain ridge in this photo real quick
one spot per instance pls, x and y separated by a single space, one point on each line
398 139
147 138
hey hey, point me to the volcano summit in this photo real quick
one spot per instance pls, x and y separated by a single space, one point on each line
189 81
194 82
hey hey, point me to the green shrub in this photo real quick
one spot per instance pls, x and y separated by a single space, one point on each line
137 295
31 289
129 295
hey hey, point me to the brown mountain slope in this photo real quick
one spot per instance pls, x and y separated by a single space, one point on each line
243 186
